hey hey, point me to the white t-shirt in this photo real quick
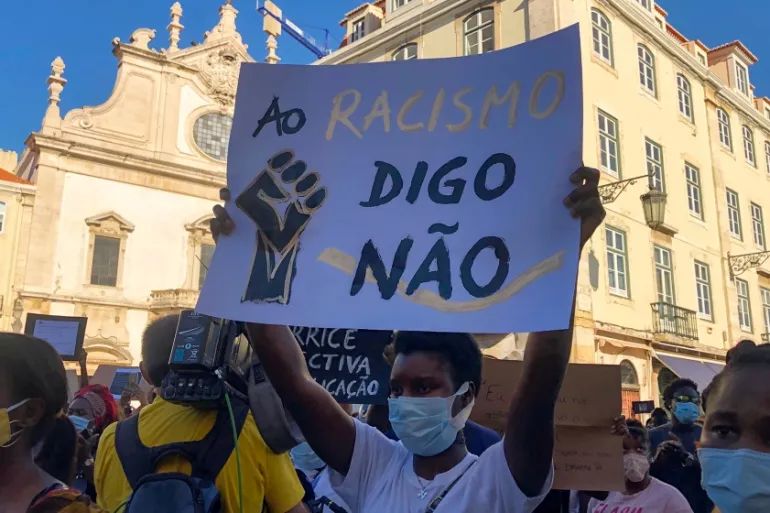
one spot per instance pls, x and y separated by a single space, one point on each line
658 497
381 479
323 488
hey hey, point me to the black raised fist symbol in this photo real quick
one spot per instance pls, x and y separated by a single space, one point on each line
284 183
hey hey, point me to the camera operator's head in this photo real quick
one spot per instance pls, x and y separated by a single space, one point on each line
157 340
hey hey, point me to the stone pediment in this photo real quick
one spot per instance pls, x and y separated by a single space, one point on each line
110 221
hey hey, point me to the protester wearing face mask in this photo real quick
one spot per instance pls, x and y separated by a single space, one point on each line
93 408
642 493
434 381
682 399
33 393
735 448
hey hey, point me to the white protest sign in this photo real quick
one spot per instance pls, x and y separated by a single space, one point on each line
423 195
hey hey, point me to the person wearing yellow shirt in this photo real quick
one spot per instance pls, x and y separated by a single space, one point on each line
268 479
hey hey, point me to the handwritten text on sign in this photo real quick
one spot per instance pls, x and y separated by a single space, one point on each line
347 362
411 195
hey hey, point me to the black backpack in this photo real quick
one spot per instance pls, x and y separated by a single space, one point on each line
170 491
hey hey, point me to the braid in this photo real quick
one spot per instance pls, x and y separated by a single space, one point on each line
745 354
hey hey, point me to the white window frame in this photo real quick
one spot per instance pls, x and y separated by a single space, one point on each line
702 58
358 29
403 52
617 261
742 78
479 29
744 305
3 210
748 146
694 195
767 155
684 95
758 225
723 122
646 69
767 112
645 4
703 290
602 36
654 157
664 275
609 143
734 214
765 294
398 4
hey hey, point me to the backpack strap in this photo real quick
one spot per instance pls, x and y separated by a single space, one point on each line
207 456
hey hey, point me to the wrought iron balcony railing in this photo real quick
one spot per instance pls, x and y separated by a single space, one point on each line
675 320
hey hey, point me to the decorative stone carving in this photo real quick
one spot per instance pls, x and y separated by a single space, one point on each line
175 27
220 72
55 86
141 38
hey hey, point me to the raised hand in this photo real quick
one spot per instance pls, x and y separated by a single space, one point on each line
584 202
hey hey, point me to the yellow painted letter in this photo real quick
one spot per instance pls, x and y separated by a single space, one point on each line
491 99
343 116
405 108
535 96
438 103
380 109
457 101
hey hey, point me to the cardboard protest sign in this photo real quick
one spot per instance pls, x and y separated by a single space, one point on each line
423 194
119 377
347 362
586 455
65 334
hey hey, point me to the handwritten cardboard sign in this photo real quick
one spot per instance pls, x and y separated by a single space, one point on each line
347 362
586 455
422 195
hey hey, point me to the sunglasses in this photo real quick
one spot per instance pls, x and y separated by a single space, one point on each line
686 399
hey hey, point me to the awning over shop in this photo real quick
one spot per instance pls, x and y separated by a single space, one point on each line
700 371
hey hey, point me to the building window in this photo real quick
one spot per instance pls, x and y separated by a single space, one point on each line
609 148
767 113
694 199
703 290
744 304
723 120
702 59
748 146
358 30
399 3
767 156
766 309
104 261
664 275
602 35
617 268
108 235
647 4
479 31
684 93
758 224
646 69
742 78
654 155
734 214
207 252
211 132
2 217
406 53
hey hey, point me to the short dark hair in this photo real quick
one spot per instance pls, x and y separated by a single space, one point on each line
34 370
157 341
460 350
742 356
677 384
634 423
640 434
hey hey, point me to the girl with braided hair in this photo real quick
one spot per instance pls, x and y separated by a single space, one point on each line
735 444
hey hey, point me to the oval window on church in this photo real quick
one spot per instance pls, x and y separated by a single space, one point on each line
212 134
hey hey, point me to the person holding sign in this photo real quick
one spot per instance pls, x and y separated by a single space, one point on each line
433 384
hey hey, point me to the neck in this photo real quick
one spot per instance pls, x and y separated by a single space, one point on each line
427 467
20 478
632 488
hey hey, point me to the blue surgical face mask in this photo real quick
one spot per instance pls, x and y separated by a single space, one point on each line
425 424
686 413
80 423
305 458
738 481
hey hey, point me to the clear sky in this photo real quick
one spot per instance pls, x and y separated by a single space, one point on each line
81 31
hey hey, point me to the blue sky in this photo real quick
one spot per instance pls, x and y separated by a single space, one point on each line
81 31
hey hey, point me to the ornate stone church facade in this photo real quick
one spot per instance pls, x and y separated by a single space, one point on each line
118 230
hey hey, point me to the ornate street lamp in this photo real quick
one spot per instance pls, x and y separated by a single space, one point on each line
654 205
610 192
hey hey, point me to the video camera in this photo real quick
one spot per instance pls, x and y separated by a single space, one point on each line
211 358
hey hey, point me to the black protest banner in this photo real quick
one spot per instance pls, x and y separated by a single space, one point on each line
347 362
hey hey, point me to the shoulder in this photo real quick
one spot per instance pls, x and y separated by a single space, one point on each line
481 431
660 432
667 490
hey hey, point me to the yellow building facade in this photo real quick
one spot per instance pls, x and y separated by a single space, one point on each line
662 301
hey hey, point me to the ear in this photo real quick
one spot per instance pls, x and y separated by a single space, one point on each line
31 413
146 374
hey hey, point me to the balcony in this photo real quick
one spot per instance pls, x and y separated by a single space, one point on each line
163 302
674 320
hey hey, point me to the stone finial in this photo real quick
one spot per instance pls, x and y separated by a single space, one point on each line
55 86
226 26
175 27
272 28
141 38
272 46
